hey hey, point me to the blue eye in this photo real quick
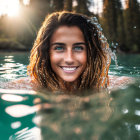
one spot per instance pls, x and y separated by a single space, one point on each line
59 48
78 48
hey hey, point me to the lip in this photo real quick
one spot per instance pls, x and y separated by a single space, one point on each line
69 69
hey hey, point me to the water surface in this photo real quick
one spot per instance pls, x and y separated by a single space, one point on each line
108 115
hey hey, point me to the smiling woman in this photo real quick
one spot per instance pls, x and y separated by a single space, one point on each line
69 54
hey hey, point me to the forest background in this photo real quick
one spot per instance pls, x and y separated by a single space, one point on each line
119 19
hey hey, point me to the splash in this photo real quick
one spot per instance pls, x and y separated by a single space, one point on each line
103 39
106 49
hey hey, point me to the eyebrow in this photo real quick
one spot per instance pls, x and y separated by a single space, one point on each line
80 43
57 43
62 44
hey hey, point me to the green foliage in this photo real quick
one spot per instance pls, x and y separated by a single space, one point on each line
9 44
24 29
132 26
111 13
120 25
82 7
68 5
58 5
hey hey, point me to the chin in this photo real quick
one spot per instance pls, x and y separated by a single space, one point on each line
70 80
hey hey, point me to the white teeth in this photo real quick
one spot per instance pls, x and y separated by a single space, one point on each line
69 69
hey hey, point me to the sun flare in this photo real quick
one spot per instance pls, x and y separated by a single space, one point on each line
26 2
9 7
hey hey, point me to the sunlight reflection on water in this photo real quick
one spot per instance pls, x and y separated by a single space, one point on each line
12 98
10 70
106 115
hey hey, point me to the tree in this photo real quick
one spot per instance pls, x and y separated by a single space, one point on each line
82 7
132 26
112 18
58 5
68 5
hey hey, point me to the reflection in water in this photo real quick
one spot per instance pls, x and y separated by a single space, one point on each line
9 69
9 60
27 134
137 112
12 70
100 116
137 100
17 91
20 110
9 56
137 126
125 71
15 125
12 98
108 115
103 116
77 117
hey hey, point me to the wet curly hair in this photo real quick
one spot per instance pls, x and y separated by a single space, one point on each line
95 75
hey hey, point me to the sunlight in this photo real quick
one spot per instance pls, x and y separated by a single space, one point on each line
96 6
26 2
13 98
20 110
9 7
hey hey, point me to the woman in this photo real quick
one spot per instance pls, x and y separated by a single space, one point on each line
70 53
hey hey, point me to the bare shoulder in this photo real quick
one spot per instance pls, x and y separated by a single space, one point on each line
22 83
119 81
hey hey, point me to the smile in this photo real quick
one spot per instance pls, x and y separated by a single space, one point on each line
69 69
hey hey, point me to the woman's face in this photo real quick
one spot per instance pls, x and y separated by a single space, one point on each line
68 53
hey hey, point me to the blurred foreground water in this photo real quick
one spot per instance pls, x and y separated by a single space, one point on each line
108 115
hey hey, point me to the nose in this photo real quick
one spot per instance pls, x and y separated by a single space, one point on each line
69 57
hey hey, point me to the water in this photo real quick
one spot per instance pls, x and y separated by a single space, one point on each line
109 115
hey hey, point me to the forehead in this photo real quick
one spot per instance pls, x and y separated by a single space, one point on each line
67 33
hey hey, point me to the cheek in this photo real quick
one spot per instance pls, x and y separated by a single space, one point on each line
82 58
54 58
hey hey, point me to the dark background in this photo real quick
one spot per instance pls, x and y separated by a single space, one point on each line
120 22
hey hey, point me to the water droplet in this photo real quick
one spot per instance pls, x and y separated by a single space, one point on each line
125 111
112 44
137 126
135 27
88 20
15 125
137 112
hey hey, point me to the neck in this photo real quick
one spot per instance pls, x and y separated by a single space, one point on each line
68 86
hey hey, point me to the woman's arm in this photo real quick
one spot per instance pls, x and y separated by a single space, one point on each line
119 81
22 83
